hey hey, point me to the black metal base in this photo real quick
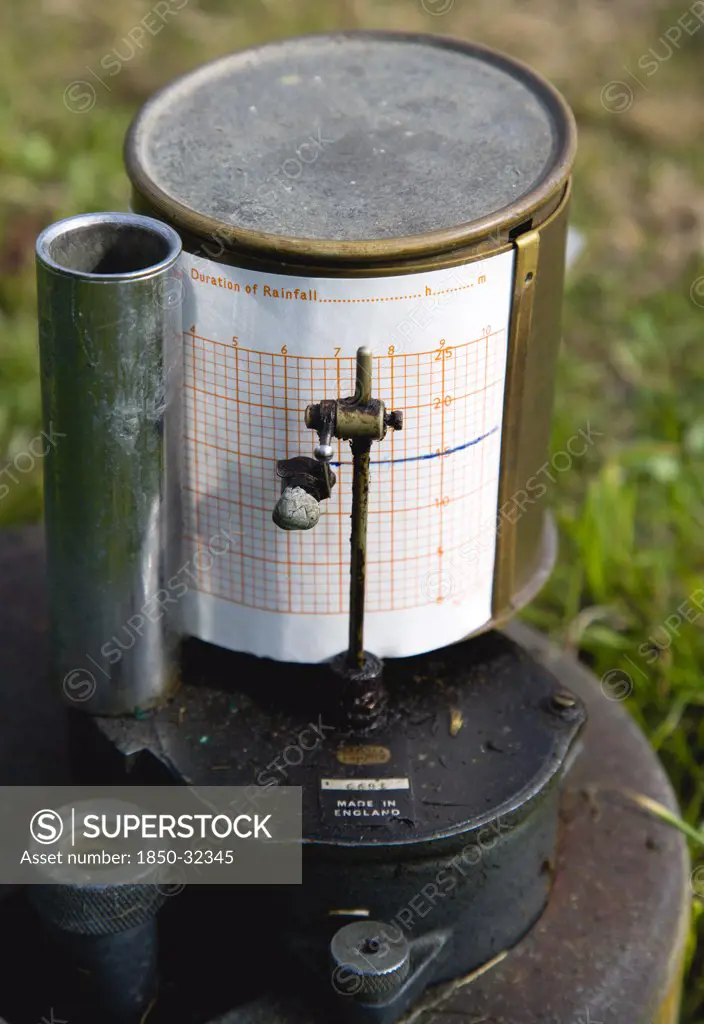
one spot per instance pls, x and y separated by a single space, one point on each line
440 823
607 949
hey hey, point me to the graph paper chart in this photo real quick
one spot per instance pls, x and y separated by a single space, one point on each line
259 348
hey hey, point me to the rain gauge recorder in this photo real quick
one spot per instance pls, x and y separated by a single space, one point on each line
303 391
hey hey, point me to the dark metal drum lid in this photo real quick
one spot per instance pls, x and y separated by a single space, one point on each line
350 138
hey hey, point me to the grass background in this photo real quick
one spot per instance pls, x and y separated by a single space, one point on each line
631 513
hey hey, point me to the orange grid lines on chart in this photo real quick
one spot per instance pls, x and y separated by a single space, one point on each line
244 412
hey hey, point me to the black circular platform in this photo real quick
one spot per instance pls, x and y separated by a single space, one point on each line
609 947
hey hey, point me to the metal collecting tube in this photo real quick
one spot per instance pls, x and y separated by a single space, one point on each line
111 370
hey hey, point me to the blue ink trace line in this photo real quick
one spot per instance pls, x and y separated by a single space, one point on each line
422 458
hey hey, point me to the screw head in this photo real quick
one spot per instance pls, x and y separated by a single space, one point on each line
312 416
565 705
371 959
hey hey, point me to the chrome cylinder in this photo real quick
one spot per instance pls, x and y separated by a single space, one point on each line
111 369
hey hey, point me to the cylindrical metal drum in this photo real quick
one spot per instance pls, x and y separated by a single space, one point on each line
404 192
111 369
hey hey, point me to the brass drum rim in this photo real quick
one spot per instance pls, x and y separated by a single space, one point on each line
279 248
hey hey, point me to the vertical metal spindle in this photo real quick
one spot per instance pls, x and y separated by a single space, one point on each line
361 448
